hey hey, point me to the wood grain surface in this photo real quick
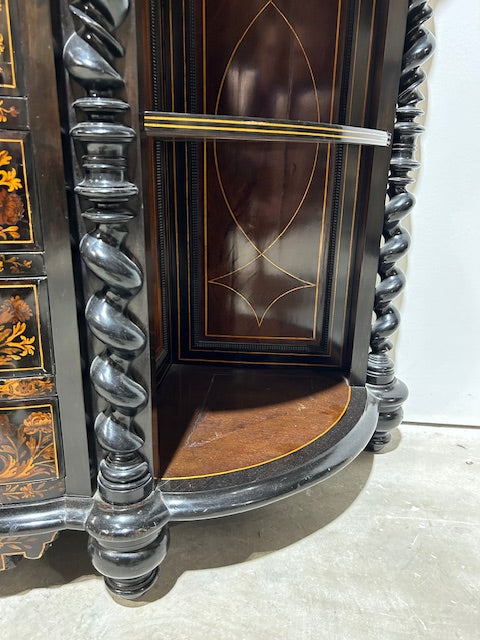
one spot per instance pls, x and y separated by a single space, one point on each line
218 420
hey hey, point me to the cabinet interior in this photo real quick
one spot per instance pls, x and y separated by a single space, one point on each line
257 244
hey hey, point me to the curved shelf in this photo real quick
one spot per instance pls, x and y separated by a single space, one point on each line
231 440
182 125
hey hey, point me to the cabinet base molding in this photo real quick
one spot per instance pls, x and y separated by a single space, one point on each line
129 542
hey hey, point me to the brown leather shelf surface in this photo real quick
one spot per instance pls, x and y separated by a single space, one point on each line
213 421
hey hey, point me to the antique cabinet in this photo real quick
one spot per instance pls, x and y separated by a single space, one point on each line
200 208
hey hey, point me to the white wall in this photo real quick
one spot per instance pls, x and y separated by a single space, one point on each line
438 343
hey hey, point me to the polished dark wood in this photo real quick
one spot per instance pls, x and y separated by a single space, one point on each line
239 289
391 21
8 63
191 498
215 420
419 46
124 478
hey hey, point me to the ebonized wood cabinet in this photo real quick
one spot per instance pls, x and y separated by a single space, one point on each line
194 236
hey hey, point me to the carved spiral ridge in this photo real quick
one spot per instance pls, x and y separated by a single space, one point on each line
89 54
127 555
419 46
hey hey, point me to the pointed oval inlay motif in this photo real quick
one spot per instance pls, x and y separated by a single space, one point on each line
264 184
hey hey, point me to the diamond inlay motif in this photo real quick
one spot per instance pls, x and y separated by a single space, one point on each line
264 203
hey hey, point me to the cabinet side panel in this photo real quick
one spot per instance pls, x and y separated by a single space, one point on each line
41 83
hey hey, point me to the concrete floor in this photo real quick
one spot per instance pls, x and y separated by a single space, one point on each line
387 549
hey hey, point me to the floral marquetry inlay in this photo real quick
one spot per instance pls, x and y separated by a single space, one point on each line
26 387
15 213
6 112
31 491
27 444
20 341
14 264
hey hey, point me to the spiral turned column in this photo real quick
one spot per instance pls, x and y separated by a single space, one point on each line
128 538
381 380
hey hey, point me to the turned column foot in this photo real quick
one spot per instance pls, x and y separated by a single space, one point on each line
128 543
131 573
391 393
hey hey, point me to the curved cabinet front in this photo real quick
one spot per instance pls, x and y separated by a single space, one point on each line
226 171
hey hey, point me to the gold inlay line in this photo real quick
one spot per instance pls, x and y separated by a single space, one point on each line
346 137
150 120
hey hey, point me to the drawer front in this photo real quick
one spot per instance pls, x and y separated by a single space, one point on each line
31 466
22 388
19 209
24 328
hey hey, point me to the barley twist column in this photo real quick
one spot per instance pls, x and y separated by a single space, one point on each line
391 392
128 538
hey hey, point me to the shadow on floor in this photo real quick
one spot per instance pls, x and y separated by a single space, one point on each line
211 543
